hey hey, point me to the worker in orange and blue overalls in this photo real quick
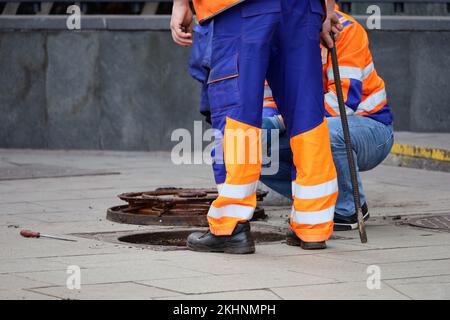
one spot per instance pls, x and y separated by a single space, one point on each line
242 44
369 118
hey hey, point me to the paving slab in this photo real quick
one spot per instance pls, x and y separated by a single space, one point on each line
423 288
339 291
245 281
23 294
414 262
115 272
393 255
25 171
430 140
11 266
264 294
14 282
108 291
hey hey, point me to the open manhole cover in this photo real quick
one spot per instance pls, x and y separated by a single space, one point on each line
173 239
171 207
178 238
438 223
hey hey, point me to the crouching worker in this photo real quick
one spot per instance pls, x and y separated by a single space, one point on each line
238 45
369 119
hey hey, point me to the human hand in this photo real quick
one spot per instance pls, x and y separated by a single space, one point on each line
181 23
331 24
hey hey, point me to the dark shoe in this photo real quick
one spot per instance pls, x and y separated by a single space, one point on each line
239 242
343 223
293 240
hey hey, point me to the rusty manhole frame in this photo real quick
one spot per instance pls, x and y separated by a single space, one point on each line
170 207
440 223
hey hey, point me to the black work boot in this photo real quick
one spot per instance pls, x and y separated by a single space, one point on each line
343 223
293 240
239 242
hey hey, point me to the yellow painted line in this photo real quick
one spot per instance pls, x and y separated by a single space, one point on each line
421 152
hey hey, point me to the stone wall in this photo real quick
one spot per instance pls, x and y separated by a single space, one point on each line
120 83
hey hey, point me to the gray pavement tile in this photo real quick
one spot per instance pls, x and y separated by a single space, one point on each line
16 246
108 291
405 191
84 205
121 258
8 221
423 288
27 265
229 295
282 249
23 295
268 259
65 217
391 236
15 282
334 270
69 194
243 281
115 272
22 208
429 140
61 206
392 255
337 291
415 269
36 171
345 271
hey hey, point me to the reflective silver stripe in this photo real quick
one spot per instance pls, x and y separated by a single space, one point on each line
237 191
232 211
352 72
332 101
313 192
346 73
267 92
372 101
368 70
316 217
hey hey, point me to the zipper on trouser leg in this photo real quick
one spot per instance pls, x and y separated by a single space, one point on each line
315 187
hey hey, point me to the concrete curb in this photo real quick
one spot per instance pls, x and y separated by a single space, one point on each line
419 157
416 151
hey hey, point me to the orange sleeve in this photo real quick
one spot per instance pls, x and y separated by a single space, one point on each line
353 53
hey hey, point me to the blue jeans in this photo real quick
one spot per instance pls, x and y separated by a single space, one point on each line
372 142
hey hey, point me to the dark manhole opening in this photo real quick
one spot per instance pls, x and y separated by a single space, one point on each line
178 238
438 223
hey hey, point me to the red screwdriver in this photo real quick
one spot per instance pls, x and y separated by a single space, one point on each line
34 234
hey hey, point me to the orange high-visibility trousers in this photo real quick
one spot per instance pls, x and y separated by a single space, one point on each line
277 40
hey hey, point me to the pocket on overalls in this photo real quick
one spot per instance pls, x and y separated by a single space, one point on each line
199 52
317 7
316 15
223 86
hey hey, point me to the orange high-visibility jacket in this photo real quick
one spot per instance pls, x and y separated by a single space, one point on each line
205 9
363 89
